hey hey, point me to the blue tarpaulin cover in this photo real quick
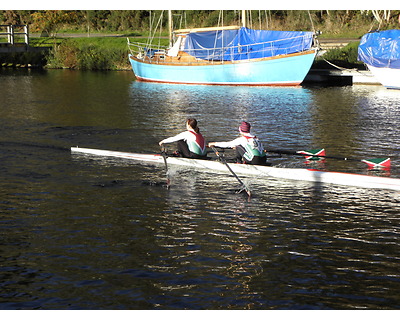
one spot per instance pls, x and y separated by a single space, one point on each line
380 49
246 43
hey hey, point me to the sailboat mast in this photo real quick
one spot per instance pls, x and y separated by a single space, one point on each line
170 27
244 18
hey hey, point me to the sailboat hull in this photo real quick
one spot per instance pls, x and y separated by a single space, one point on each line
388 77
285 70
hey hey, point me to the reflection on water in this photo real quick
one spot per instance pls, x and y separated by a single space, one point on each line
89 233
219 111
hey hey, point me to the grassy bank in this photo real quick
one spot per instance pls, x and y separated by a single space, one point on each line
97 53
92 53
111 53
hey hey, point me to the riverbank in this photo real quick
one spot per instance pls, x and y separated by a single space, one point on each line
109 52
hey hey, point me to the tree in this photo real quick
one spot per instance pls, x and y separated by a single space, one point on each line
15 16
51 20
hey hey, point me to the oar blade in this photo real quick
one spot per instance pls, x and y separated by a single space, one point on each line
222 159
318 154
245 189
313 154
164 155
377 162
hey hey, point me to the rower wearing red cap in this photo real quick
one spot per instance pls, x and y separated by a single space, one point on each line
248 148
191 143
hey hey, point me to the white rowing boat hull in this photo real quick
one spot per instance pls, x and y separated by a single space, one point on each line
340 178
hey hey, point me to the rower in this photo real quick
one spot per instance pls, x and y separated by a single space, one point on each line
191 143
249 149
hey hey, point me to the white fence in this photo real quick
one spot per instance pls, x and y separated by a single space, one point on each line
12 34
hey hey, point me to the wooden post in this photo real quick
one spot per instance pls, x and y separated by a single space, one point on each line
170 27
10 31
26 31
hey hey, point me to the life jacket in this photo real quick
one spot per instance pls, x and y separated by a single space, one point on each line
253 148
198 145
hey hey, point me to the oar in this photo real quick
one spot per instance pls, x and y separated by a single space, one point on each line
320 153
310 153
222 159
372 163
164 155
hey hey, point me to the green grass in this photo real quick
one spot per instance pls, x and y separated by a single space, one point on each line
119 42
102 42
110 53
44 42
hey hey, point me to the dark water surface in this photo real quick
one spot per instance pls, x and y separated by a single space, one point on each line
88 233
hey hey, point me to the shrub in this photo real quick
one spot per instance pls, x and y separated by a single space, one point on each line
345 57
88 54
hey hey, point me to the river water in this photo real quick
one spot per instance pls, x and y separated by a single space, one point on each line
89 233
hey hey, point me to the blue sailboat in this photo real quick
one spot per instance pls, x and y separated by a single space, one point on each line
231 55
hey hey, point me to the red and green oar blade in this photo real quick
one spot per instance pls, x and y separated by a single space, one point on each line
315 154
378 162
372 163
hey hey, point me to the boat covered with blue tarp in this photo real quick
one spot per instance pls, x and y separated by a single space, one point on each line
245 43
380 51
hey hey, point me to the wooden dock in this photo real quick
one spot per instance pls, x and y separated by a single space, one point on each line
15 38
330 43
340 77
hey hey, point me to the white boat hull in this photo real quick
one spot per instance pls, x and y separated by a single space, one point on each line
388 77
311 175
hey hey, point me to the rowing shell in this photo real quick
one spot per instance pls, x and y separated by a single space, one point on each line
312 175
